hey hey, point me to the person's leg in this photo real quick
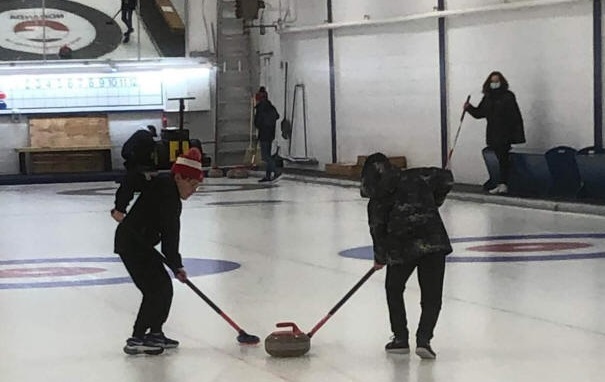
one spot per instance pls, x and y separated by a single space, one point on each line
396 278
147 276
502 153
271 163
265 150
431 272
150 276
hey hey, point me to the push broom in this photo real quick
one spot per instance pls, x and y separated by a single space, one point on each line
451 152
243 337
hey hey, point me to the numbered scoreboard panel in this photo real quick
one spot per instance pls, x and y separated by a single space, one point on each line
50 93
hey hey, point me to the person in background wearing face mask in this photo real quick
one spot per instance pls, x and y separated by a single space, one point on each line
408 234
504 123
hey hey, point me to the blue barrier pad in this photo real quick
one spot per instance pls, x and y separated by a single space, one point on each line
529 173
591 166
566 181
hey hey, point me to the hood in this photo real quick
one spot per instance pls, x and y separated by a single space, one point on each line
378 178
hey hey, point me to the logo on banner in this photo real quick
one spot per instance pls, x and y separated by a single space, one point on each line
29 33
33 31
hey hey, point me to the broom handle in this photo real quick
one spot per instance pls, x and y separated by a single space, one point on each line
341 302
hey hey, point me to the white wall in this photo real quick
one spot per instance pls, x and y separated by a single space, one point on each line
387 78
392 104
545 54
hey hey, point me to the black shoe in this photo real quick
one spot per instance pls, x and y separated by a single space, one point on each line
136 346
398 346
126 38
264 180
276 177
160 340
424 351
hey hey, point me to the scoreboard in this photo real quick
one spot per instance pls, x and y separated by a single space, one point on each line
116 91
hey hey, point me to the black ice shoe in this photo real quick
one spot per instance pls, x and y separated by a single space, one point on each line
397 346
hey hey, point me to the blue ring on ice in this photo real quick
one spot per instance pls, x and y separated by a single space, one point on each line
194 267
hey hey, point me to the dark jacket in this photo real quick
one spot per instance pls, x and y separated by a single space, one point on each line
504 121
139 151
154 218
403 213
265 119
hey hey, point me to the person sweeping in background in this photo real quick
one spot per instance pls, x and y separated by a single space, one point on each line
155 218
408 233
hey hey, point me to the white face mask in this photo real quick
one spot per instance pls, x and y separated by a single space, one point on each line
494 85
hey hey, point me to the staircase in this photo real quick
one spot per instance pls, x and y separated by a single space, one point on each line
233 87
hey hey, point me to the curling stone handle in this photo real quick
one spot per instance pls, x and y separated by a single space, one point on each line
292 325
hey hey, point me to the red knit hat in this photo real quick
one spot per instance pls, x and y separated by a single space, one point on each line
189 165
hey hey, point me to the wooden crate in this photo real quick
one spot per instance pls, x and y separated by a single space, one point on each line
67 162
69 132
66 144
349 170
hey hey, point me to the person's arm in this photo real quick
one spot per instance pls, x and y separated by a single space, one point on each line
377 219
170 231
517 119
477 112
125 193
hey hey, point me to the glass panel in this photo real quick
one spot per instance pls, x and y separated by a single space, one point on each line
44 30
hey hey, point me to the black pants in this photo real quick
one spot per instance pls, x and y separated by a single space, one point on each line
265 151
502 153
431 271
149 275
127 18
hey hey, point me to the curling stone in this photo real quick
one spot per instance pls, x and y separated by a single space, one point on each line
287 343
237 173
215 173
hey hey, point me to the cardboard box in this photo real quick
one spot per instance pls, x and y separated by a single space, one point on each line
349 170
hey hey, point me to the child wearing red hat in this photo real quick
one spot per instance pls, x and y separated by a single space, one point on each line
155 218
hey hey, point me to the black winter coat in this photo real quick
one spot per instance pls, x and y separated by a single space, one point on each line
265 119
403 213
155 217
504 121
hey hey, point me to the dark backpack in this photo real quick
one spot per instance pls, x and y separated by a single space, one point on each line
140 150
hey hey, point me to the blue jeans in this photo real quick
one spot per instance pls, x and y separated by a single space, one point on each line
265 152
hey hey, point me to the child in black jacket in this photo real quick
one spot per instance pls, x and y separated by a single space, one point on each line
408 234
155 218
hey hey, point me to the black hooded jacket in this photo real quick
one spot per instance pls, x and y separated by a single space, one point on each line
403 211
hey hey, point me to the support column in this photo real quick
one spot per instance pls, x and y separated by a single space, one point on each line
598 74
332 85
443 84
